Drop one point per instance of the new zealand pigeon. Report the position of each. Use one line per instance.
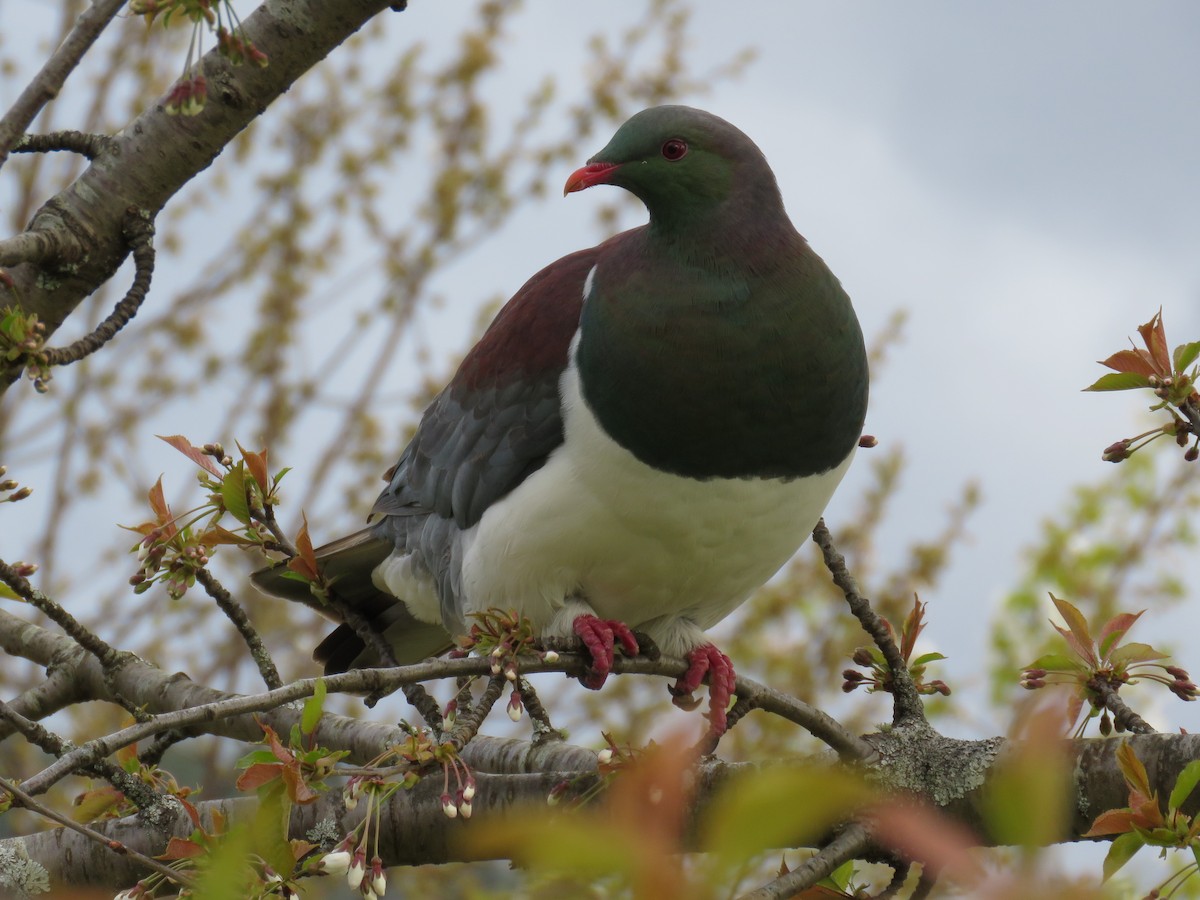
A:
(645, 434)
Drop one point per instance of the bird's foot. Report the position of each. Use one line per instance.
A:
(707, 663)
(600, 638)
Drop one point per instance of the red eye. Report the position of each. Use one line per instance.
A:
(674, 149)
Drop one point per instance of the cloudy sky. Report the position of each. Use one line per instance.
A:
(1020, 178)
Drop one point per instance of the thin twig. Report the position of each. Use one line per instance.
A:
(49, 81)
(139, 232)
(20, 798)
(234, 612)
(390, 679)
(86, 145)
(139, 793)
(105, 654)
(900, 871)
(543, 729)
(925, 885)
(847, 845)
(416, 695)
(908, 707)
(467, 725)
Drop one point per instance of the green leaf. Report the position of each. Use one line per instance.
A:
(1185, 784)
(1026, 798)
(1055, 662)
(1185, 355)
(781, 806)
(925, 659)
(1119, 381)
(313, 708)
(233, 494)
(1120, 852)
(840, 877)
(1135, 652)
(256, 756)
(9, 594)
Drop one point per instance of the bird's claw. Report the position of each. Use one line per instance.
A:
(707, 663)
(600, 638)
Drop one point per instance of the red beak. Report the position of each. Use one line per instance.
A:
(596, 173)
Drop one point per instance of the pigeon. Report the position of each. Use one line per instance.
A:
(646, 433)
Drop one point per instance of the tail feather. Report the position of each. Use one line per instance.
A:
(347, 565)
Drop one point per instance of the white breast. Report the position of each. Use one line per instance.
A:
(666, 554)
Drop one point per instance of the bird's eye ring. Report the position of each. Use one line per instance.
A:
(674, 149)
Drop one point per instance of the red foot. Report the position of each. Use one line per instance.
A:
(707, 663)
(600, 636)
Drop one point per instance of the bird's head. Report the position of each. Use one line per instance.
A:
(683, 163)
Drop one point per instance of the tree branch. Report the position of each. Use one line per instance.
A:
(415, 831)
(847, 845)
(47, 83)
(155, 155)
(908, 706)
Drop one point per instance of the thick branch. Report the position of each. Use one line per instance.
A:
(415, 831)
(154, 156)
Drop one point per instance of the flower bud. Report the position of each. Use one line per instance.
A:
(378, 879)
(358, 868)
(335, 863)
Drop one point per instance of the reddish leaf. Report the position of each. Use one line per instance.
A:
(1114, 629)
(1082, 643)
(257, 464)
(1156, 342)
(1133, 361)
(195, 454)
(158, 503)
(297, 788)
(194, 814)
(1146, 814)
(257, 775)
(282, 753)
(305, 562)
(127, 756)
(1083, 651)
(301, 849)
(1133, 771)
(914, 624)
(181, 848)
(1115, 821)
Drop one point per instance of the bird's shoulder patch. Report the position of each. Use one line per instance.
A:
(530, 337)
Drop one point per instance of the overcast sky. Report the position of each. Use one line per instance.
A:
(1021, 178)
